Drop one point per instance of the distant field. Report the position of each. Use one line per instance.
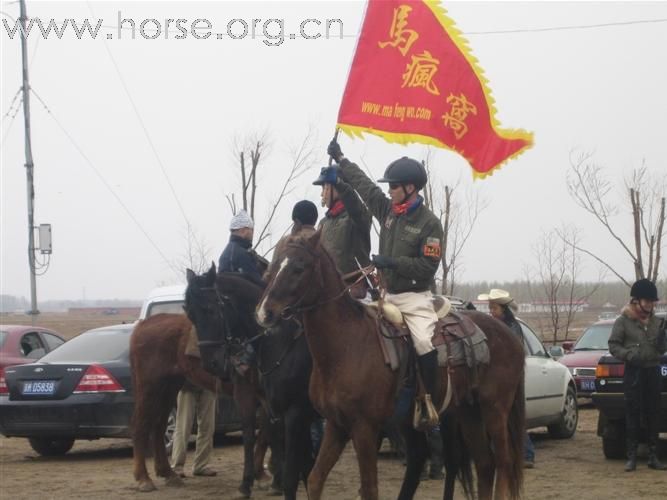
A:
(70, 325)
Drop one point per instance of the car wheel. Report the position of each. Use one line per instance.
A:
(567, 423)
(50, 447)
(169, 431)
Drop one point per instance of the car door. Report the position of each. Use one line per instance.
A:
(536, 373)
(533, 386)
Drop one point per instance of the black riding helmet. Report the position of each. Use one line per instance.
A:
(405, 171)
(644, 289)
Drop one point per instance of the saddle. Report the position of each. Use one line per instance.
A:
(457, 339)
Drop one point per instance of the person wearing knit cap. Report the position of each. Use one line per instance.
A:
(238, 256)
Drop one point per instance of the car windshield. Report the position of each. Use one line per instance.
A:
(97, 346)
(595, 338)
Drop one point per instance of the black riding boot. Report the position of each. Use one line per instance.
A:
(653, 461)
(428, 368)
(631, 464)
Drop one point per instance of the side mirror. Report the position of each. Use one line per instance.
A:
(568, 345)
(556, 352)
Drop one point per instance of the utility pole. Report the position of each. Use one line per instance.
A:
(29, 166)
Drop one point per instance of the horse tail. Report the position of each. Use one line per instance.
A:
(517, 435)
(458, 463)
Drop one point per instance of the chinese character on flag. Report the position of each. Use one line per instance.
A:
(413, 79)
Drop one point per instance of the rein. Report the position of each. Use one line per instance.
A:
(282, 357)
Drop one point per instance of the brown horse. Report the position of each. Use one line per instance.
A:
(355, 390)
(159, 369)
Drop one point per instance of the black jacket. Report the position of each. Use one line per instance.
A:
(237, 258)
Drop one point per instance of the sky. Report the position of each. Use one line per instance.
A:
(132, 137)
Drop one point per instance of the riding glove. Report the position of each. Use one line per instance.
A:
(384, 262)
(334, 150)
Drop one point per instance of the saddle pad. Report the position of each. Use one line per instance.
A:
(461, 344)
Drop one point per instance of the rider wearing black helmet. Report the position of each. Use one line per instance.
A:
(410, 251)
(346, 226)
(638, 338)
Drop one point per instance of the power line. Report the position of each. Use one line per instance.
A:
(104, 181)
(563, 28)
(144, 128)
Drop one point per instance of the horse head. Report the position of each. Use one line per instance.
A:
(205, 308)
(295, 282)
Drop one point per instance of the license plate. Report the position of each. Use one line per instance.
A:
(588, 385)
(39, 388)
(663, 370)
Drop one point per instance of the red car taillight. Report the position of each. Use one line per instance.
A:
(4, 390)
(98, 379)
(607, 371)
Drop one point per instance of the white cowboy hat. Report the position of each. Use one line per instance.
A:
(498, 296)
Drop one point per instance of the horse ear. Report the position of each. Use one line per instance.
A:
(314, 240)
(210, 275)
(190, 275)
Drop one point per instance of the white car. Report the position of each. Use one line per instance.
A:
(551, 394)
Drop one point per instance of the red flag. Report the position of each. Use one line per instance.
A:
(413, 79)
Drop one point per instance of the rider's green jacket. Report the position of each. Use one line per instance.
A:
(346, 235)
(413, 239)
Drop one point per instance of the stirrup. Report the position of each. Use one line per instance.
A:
(425, 416)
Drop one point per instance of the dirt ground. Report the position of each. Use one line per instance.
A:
(573, 468)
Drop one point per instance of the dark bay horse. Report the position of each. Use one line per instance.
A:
(353, 388)
(222, 307)
(160, 366)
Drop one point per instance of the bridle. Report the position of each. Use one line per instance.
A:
(223, 301)
(291, 310)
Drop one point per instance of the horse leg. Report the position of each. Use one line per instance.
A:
(261, 447)
(478, 444)
(496, 426)
(333, 443)
(365, 438)
(297, 447)
(246, 401)
(161, 461)
(141, 438)
(416, 449)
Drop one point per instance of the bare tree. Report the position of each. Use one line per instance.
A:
(252, 158)
(557, 270)
(458, 209)
(196, 254)
(592, 191)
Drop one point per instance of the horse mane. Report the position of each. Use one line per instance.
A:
(302, 239)
(236, 285)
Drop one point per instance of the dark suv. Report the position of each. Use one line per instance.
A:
(608, 398)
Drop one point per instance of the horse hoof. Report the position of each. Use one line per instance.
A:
(262, 484)
(174, 481)
(245, 491)
(146, 486)
(274, 492)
